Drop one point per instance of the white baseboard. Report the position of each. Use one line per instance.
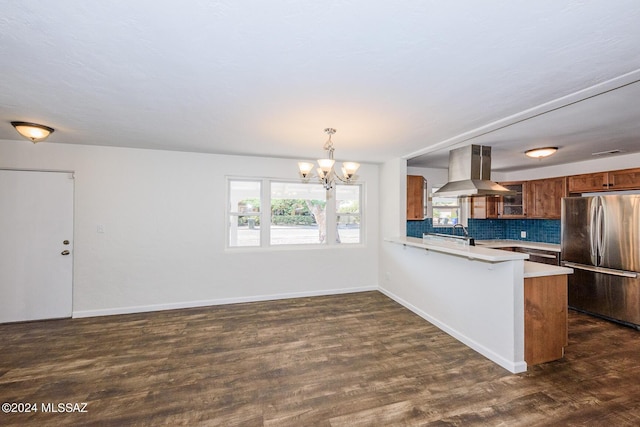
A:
(222, 301)
(514, 367)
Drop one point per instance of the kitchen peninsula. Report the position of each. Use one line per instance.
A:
(488, 299)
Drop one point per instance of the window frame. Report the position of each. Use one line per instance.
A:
(336, 214)
(229, 212)
(265, 217)
(269, 242)
(457, 206)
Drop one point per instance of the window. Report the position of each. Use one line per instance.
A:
(244, 213)
(348, 214)
(265, 212)
(446, 210)
(298, 213)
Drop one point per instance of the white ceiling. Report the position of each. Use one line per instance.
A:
(395, 78)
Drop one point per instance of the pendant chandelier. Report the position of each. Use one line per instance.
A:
(326, 172)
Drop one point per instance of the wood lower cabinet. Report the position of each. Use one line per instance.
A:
(545, 318)
(624, 179)
(416, 197)
(544, 197)
(542, 256)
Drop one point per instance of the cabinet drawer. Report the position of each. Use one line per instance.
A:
(544, 257)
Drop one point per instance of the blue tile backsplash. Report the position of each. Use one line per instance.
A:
(538, 230)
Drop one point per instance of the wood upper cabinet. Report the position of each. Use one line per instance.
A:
(624, 179)
(514, 206)
(544, 197)
(484, 207)
(588, 182)
(416, 197)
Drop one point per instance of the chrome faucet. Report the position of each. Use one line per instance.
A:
(470, 240)
(464, 229)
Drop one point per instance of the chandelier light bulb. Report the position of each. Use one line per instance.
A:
(350, 168)
(326, 164)
(305, 168)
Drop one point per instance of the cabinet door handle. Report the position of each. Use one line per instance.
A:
(65, 252)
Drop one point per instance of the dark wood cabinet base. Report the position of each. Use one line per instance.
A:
(545, 318)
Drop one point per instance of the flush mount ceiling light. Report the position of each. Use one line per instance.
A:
(539, 153)
(33, 131)
(326, 171)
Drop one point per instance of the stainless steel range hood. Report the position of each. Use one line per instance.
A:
(470, 174)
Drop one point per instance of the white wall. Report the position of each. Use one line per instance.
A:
(479, 303)
(393, 197)
(164, 220)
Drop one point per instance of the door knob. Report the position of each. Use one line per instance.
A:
(65, 252)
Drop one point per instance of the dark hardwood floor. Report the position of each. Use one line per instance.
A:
(344, 360)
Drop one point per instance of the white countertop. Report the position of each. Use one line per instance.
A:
(496, 244)
(537, 269)
(458, 249)
(531, 269)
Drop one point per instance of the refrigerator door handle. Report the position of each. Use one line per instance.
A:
(601, 233)
(621, 273)
(593, 249)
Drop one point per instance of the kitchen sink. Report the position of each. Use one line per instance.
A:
(460, 240)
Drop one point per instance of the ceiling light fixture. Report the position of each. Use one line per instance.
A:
(33, 131)
(539, 153)
(326, 171)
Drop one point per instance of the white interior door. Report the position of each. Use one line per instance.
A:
(36, 245)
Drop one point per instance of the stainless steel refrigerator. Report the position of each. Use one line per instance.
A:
(601, 242)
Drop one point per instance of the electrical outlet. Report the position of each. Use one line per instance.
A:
(523, 234)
